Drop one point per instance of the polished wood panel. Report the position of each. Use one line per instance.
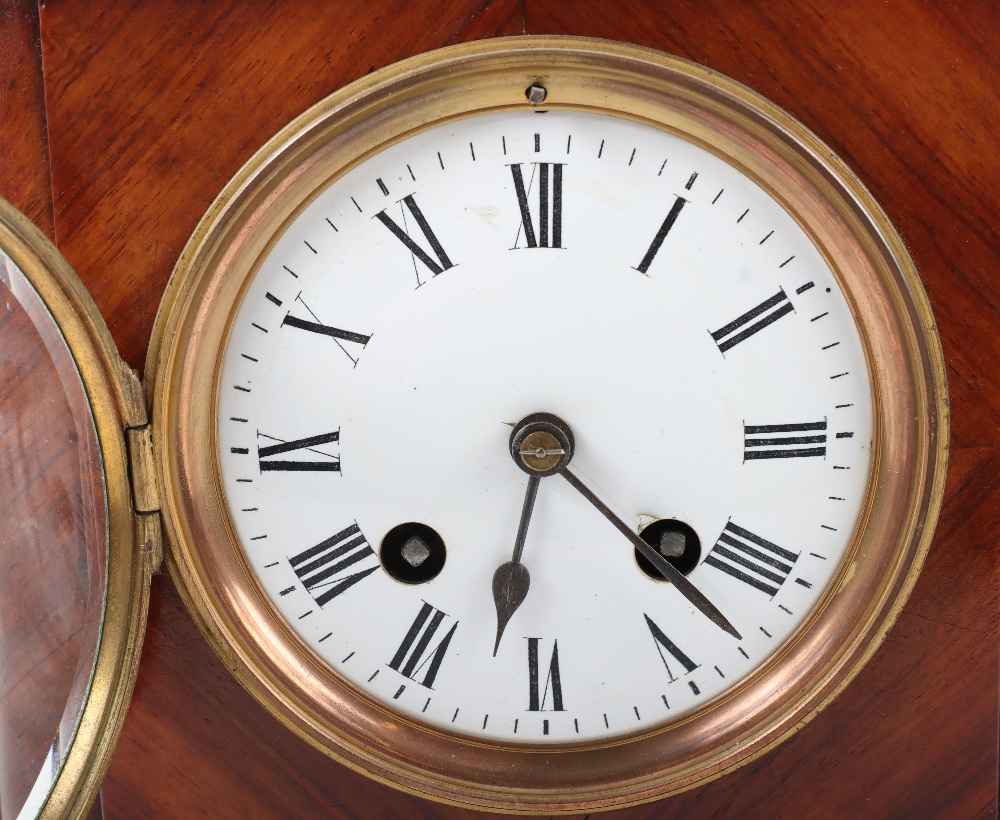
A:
(151, 106)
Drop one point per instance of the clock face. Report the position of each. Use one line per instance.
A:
(653, 297)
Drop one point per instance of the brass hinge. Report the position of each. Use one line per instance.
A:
(142, 477)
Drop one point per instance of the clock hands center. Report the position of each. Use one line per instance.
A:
(542, 444)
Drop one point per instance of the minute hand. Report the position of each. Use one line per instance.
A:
(665, 568)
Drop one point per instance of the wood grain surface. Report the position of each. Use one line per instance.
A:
(118, 132)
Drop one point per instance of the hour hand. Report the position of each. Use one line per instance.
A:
(511, 580)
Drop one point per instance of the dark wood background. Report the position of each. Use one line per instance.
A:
(121, 121)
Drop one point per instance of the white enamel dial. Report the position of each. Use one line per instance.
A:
(648, 293)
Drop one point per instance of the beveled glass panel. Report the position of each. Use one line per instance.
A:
(53, 546)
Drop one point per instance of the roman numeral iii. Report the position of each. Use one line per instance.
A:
(270, 464)
(784, 440)
(550, 199)
(751, 559)
(538, 696)
(753, 321)
(664, 644)
(415, 655)
(440, 262)
(321, 569)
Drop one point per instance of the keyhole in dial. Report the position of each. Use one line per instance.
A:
(412, 553)
(675, 541)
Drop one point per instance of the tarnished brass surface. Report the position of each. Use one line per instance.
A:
(827, 200)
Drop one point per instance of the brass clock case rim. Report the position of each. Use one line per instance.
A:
(895, 321)
(116, 403)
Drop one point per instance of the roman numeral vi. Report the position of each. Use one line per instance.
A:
(538, 697)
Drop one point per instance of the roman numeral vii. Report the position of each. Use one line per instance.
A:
(415, 655)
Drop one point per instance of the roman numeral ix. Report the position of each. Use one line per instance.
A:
(537, 696)
(440, 261)
(415, 655)
(321, 568)
(751, 559)
(269, 464)
(784, 440)
(663, 643)
(547, 215)
(753, 321)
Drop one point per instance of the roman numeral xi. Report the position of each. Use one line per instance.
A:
(437, 263)
(784, 440)
(751, 559)
(550, 199)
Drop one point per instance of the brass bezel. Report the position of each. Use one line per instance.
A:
(874, 269)
(116, 403)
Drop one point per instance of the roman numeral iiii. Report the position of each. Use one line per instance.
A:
(751, 559)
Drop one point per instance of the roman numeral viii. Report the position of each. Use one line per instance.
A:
(321, 568)
(753, 321)
(537, 696)
(270, 464)
(440, 261)
(751, 559)
(550, 200)
(415, 654)
(784, 440)
(664, 644)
